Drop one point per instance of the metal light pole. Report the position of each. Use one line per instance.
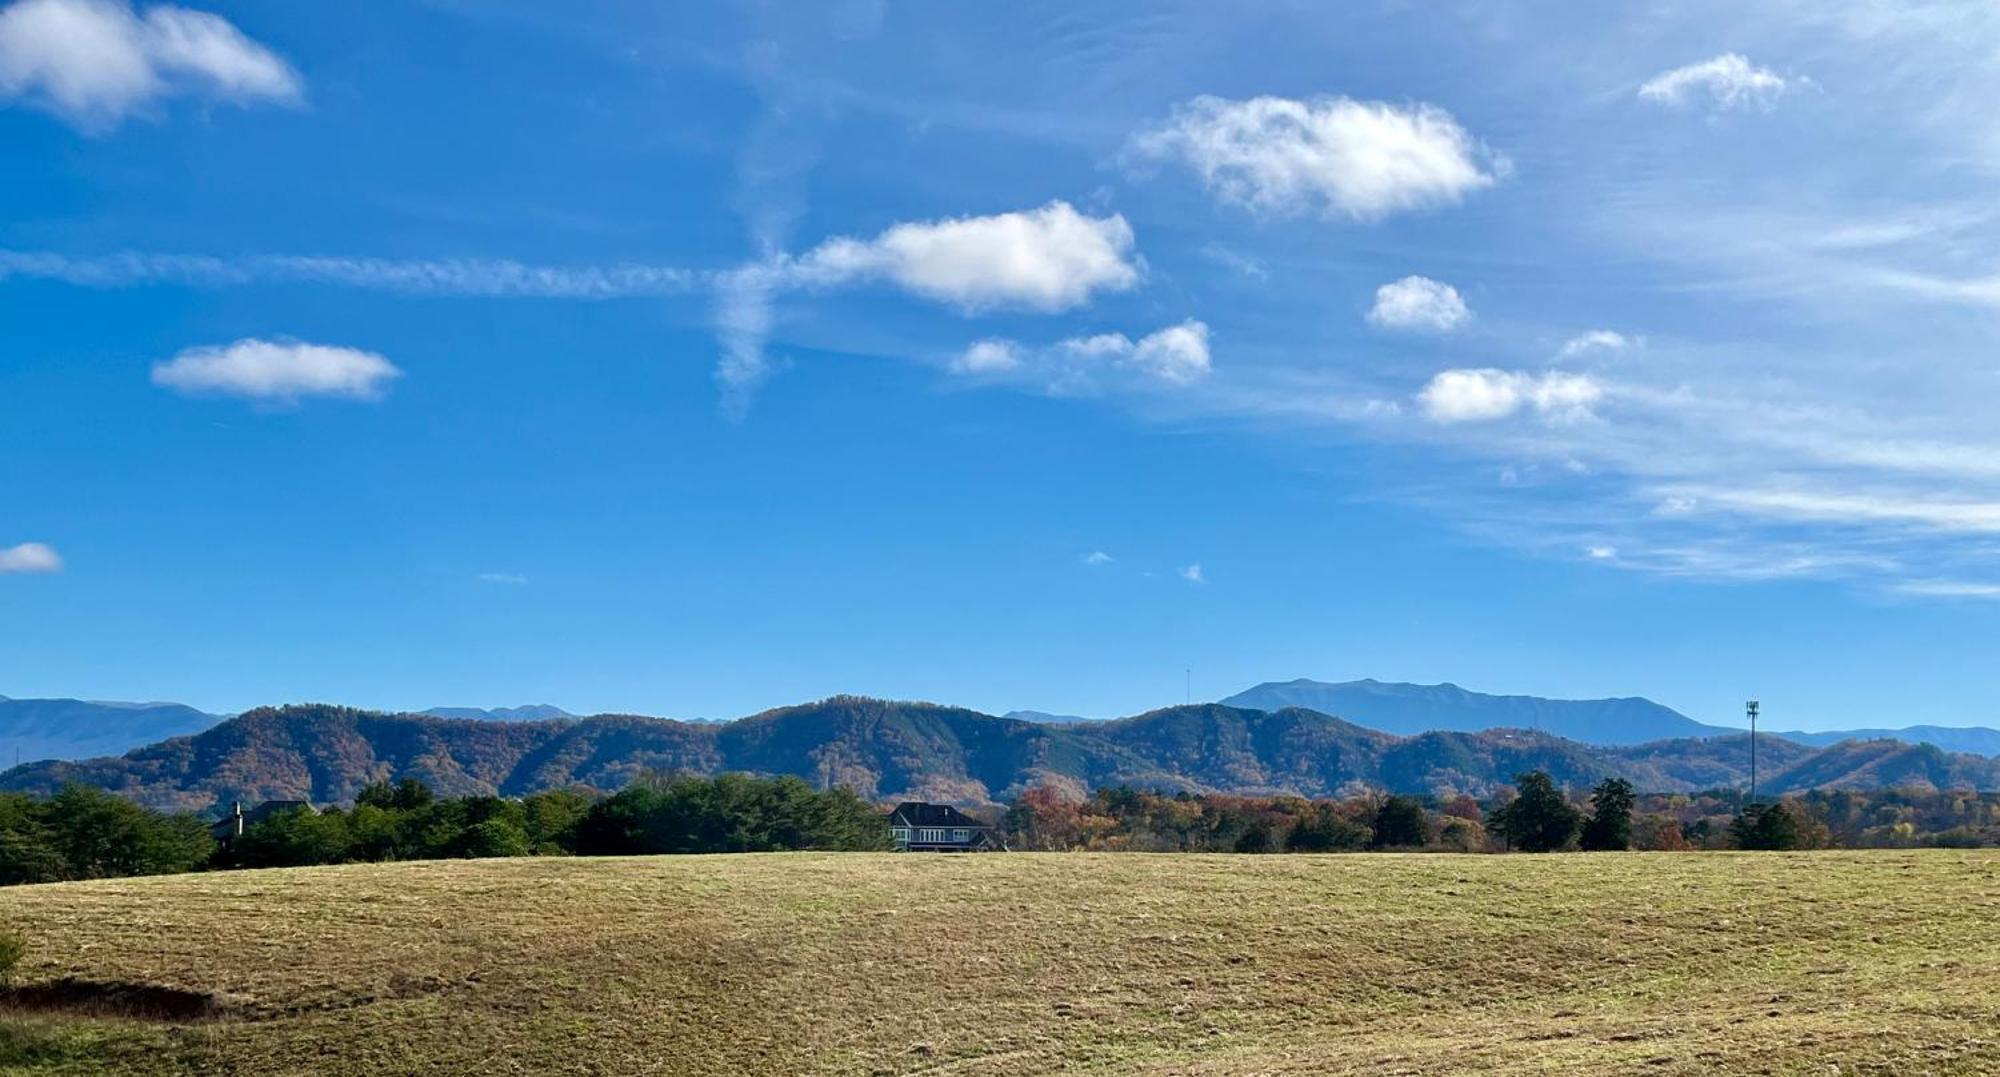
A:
(1751, 708)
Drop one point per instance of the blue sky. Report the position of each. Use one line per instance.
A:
(637, 357)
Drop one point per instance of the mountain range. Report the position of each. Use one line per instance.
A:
(1409, 709)
(922, 751)
(70, 729)
(533, 712)
(80, 729)
(1974, 739)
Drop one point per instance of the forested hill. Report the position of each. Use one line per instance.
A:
(887, 750)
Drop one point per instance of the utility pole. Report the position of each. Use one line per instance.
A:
(1189, 697)
(1751, 709)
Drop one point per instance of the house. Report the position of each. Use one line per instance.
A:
(230, 827)
(938, 828)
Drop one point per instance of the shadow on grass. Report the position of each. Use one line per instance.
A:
(132, 1001)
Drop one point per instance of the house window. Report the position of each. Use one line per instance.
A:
(959, 835)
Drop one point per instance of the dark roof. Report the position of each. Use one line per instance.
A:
(918, 813)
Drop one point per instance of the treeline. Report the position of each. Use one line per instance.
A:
(730, 813)
(85, 833)
(1535, 816)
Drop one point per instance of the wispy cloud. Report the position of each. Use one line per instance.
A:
(1949, 589)
(1236, 262)
(1596, 342)
(1096, 558)
(96, 62)
(1726, 81)
(511, 579)
(1193, 574)
(449, 276)
(29, 558)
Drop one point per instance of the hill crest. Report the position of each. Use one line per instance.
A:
(887, 750)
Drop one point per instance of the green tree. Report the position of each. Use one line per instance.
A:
(1400, 824)
(27, 846)
(296, 837)
(407, 795)
(494, 837)
(99, 835)
(728, 813)
(552, 819)
(1258, 837)
(1765, 826)
(1609, 828)
(1321, 828)
(1538, 820)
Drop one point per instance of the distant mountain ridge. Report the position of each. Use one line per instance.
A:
(1977, 740)
(923, 751)
(34, 729)
(1409, 709)
(533, 712)
(1045, 717)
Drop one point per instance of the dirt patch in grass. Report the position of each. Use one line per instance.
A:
(132, 1001)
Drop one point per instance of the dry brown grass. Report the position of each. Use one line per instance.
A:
(1821, 963)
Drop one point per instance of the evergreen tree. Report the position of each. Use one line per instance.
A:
(1539, 820)
(1400, 824)
(1765, 826)
(1609, 828)
(1258, 837)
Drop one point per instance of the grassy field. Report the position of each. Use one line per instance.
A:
(1817, 963)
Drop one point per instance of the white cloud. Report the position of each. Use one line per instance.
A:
(29, 557)
(1729, 80)
(1193, 574)
(1336, 156)
(1096, 558)
(282, 371)
(1419, 303)
(1046, 259)
(94, 62)
(1601, 553)
(1456, 396)
(1594, 342)
(1175, 356)
(512, 579)
(990, 356)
